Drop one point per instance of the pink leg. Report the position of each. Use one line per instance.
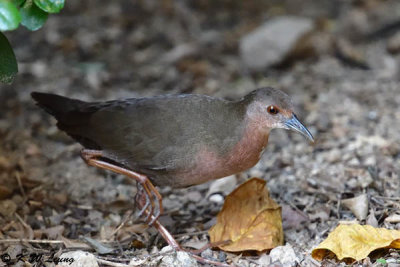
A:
(146, 188)
(146, 191)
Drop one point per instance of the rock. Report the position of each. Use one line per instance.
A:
(394, 218)
(216, 198)
(271, 43)
(285, 255)
(264, 260)
(178, 259)
(78, 259)
(194, 196)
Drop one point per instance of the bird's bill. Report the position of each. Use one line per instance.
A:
(294, 124)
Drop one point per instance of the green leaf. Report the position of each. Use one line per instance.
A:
(9, 16)
(33, 17)
(381, 261)
(8, 62)
(18, 3)
(50, 6)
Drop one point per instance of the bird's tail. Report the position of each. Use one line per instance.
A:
(68, 112)
(56, 105)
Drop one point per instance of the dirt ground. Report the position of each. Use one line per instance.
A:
(349, 98)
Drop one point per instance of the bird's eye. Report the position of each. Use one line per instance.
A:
(273, 110)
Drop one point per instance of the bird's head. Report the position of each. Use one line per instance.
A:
(271, 108)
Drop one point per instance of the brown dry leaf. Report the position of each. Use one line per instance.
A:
(249, 218)
(356, 242)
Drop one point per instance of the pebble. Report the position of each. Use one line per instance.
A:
(178, 259)
(271, 42)
(216, 198)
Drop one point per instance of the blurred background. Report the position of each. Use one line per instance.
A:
(338, 59)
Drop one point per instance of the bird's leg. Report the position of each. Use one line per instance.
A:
(146, 190)
(93, 158)
(140, 195)
(143, 201)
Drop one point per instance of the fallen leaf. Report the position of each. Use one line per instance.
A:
(98, 246)
(70, 243)
(292, 218)
(356, 242)
(358, 206)
(250, 219)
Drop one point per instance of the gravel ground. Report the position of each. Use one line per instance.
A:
(124, 49)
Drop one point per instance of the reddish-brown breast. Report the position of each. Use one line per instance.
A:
(244, 155)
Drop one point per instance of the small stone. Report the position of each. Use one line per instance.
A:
(354, 162)
(271, 43)
(285, 255)
(207, 254)
(194, 196)
(394, 218)
(264, 260)
(217, 198)
(178, 259)
(334, 155)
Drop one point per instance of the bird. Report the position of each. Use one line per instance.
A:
(173, 140)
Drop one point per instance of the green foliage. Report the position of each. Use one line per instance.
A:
(33, 17)
(30, 13)
(50, 6)
(9, 16)
(8, 63)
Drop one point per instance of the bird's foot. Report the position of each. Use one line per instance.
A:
(149, 208)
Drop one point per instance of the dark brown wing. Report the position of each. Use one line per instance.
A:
(151, 135)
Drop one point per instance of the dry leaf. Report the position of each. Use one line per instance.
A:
(358, 205)
(356, 242)
(250, 219)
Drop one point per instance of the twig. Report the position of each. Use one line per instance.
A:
(34, 241)
(18, 177)
(124, 221)
(110, 263)
(22, 221)
(389, 198)
(205, 261)
(190, 234)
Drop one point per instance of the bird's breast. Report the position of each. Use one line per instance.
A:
(210, 165)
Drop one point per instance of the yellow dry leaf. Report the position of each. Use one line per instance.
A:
(356, 242)
(250, 219)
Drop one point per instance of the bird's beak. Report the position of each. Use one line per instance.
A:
(294, 124)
